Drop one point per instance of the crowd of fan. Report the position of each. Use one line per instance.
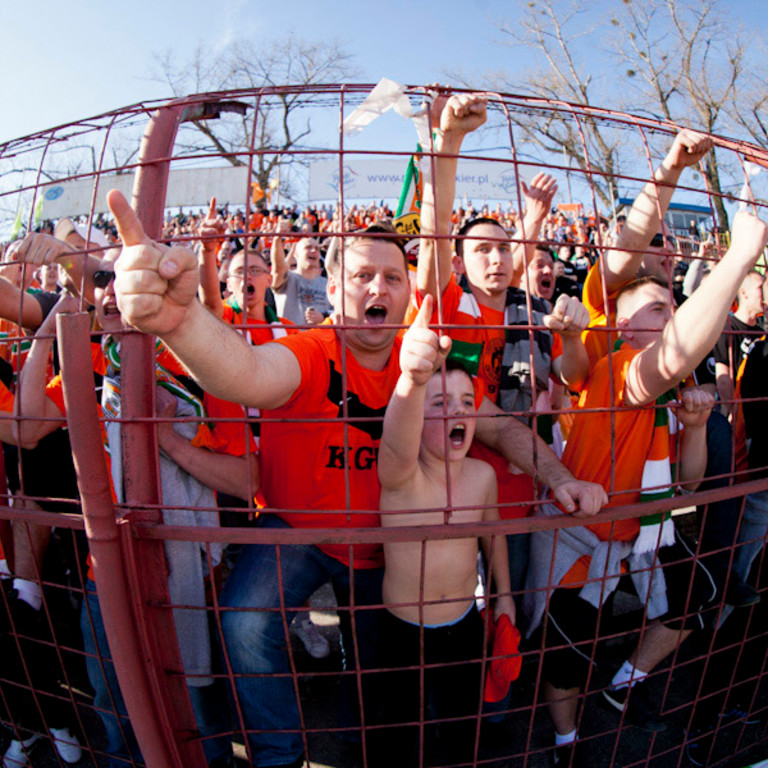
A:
(520, 345)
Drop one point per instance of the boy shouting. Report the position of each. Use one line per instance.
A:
(427, 479)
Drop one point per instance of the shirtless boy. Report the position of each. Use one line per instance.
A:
(425, 417)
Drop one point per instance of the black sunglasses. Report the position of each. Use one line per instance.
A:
(660, 242)
(103, 277)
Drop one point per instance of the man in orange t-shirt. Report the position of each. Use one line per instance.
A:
(487, 313)
(658, 351)
(336, 379)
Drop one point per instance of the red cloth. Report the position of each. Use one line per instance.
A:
(504, 638)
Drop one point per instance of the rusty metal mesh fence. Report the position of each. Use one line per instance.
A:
(164, 639)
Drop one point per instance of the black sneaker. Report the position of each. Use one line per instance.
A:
(567, 755)
(637, 706)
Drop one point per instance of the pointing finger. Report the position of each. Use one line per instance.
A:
(425, 312)
(212, 209)
(128, 225)
(443, 350)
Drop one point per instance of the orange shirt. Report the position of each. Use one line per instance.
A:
(6, 399)
(305, 461)
(473, 336)
(599, 341)
(588, 454)
(260, 330)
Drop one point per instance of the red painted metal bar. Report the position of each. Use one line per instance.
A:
(102, 530)
(139, 538)
(146, 570)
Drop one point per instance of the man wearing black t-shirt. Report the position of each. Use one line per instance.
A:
(740, 333)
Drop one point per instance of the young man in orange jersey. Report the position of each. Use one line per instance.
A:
(488, 312)
(331, 385)
(622, 441)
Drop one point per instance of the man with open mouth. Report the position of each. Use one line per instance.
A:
(330, 385)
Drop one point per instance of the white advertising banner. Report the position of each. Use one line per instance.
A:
(368, 178)
(187, 187)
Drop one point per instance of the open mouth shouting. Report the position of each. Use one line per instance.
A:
(376, 314)
(457, 435)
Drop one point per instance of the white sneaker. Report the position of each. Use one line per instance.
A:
(15, 756)
(67, 745)
(316, 644)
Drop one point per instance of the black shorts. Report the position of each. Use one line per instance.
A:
(571, 634)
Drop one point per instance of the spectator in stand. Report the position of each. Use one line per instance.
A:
(301, 295)
(300, 378)
(433, 604)
(540, 280)
(188, 472)
(657, 352)
(754, 391)
(742, 330)
(247, 289)
(565, 280)
(30, 659)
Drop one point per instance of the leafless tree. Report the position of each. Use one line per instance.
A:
(278, 121)
(682, 61)
(548, 30)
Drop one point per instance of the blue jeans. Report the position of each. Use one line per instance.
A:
(208, 703)
(752, 533)
(256, 640)
(108, 700)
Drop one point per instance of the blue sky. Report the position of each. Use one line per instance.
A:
(64, 61)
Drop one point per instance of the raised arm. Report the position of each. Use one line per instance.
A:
(210, 291)
(37, 249)
(462, 114)
(527, 451)
(236, 475)
(538, 203)
(693, 413)
(569, 318)
(156, 290)
(277, 256)
(644, 218)
(11, 299)
(699, 266)
(36, 414)
(421, 354)
(696, 326)
(495, 551)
